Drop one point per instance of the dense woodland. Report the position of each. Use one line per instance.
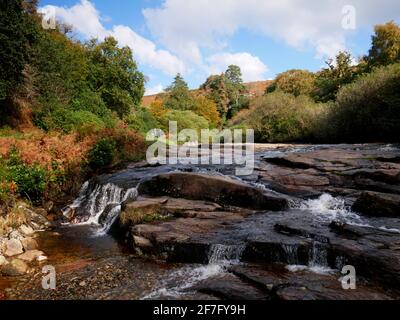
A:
(70, 109)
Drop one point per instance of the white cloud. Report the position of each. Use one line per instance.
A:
(83, 17)
(154, 90)
(252, 67)
(87, 21)
(145, 51)
(185, 27)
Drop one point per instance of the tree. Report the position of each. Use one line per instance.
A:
(227, 91)
(207, 109)
(178, 95)
(114, 74)
(17, 35)
(296, 82)
(215, 89)
(385, 45)
(235, 89)
(234, 75)
(331, 79)
(157, 109)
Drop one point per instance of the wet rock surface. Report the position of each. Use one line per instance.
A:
(282, 233)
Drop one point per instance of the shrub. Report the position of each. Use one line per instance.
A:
(30, 180)
(68, 120)
(102, 154)
(367, 110)
(281, 117)
(185, 120)
(142, 120)
(130, 145)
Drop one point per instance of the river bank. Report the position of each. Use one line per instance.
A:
(185, 232)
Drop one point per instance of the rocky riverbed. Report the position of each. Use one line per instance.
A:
(200, 232)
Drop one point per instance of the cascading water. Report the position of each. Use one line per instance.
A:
(327, 208)
(100, 204)
(219, 258)
(220, 253)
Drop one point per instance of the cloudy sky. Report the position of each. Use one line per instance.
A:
(201, 37)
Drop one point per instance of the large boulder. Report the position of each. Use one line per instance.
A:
(378, 204)
(222, 190)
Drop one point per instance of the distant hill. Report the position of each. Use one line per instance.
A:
(254, 89)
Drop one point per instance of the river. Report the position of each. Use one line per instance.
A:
(294, 253)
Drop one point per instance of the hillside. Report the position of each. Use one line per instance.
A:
(254, 89)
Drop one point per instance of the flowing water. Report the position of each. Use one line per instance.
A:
(99, 203)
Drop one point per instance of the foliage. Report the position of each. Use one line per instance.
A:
(178, 95)
(185, 119)
(385, 45)
(113, 73)
(157, 109)
(227, 91)
(207, 109)
(18, 34)
(102, 154)
(331, 79)
(30, 180)
(367, 110)
(215, 89)
(281, 117)
(297, 82)
(142, 120)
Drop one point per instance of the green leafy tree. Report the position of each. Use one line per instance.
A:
(331, 79)
(17, 35)
(178, 95)
(235, 89)
(227, 91)
(114, 74)
(296, 82)
(215, 89)
(385, 45)
(233, 75)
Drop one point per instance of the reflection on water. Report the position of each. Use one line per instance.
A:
(72, 247)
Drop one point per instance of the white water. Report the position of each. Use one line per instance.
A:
(328, 208)
(314, 269)
(96, 201)
(180, 281)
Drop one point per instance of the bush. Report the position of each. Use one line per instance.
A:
(367, 110)
(281, 117)
(102, 154)
(30, 180)
(142, 120)
(68, 120)
(185, 120)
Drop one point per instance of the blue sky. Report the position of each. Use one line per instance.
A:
(202, 37)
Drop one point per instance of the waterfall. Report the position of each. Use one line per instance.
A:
(219, 258)
(318, 256)
(99, 204)
(220, 253)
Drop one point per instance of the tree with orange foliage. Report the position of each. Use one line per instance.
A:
(207, 108)
(157, 109)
